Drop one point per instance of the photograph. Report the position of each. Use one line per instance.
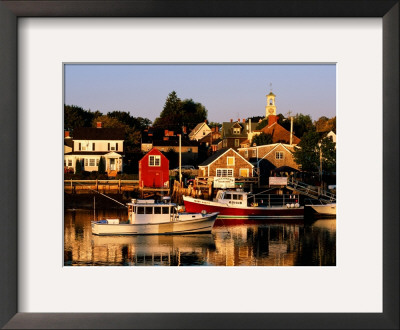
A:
(199, 164)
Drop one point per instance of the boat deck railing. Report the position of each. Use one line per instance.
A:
(311, 191)
(273, 199)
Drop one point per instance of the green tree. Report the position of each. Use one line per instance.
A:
(78, 167)
(169, 116)
(307, 155)
(312, 152)
(328, 151)
(262, 139)
(102, 165)
(75, 116)
(177, 113)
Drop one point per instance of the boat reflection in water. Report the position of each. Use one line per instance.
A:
(159, 250)
(231, 243)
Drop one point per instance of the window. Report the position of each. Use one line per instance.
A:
(86, 162)
(154, 160)
(165, 210)
(93, 146)
(244, 172)
(92, 162)
(97, 162)
(228, 196)
(140, 210)
(148, 210)
(116, 146)
(69, 162)
(246, 154)
(279, 155)
(236, 142)
(224, 172)
(225, 143)
(79, 146)
(237, 197)
(157, 210)
(108, 148)
(236, 130)
(254, 153)
(230, 161)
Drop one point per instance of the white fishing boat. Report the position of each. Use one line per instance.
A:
(147, 217)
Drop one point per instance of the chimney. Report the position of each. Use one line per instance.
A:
(239, 120)
(98, 124)
(272, 119)
(249, 125)
(166, 132)
(184, 129)
(231, 120)
(66, 134)
(244, 120)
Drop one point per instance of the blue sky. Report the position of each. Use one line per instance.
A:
(226, 90)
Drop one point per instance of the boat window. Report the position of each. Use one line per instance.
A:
(157, 209)
(140, 210)
(149, 210)
(228, 196)
(165, 210)
(238, 197)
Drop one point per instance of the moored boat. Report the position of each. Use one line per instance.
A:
(148, 217)
(242, 205)
(323, 210)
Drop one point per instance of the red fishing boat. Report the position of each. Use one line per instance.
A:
(237, 204)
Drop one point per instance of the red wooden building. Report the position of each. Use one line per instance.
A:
(154, 170)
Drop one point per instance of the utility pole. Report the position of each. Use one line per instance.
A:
(291, 127)
(180, 160)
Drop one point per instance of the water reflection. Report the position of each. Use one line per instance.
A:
(231, 243)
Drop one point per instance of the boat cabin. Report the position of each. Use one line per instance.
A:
(142, 211)
(233, 198)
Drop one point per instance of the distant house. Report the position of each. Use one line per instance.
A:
(234, 133)
(154, 170)
(226, 163)
(332, 135)
(211, 140)
(89, 144)
(279, 133)
(201, 130)
(266, 158)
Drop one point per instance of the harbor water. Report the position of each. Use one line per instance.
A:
(308, 242)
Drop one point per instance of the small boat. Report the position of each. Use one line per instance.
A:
(328, 210)
(148, 217)
(237, 204)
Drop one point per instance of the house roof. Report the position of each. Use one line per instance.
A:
(227, 129)
(93, 133)
(93, 153)
(197, 128)
(279, 134)
(219, 154)
(69, 142)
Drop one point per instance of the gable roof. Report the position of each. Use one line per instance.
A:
(94, 133)
(227, 129)
(151, 152)
(279, 134)
(198, 128)
(219, 154)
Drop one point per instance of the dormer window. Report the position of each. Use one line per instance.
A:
(236, 130)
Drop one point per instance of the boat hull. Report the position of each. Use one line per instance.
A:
(322, 210)
(200, 225)
(228, 212)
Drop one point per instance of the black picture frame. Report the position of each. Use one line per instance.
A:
(10, 11)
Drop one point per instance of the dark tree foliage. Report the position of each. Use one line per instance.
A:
(78, 167)
(262, 139)
(312, 150)
(177, 113)
(102, 165)
(75, 116)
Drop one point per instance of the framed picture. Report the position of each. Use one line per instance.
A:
(13, 206)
